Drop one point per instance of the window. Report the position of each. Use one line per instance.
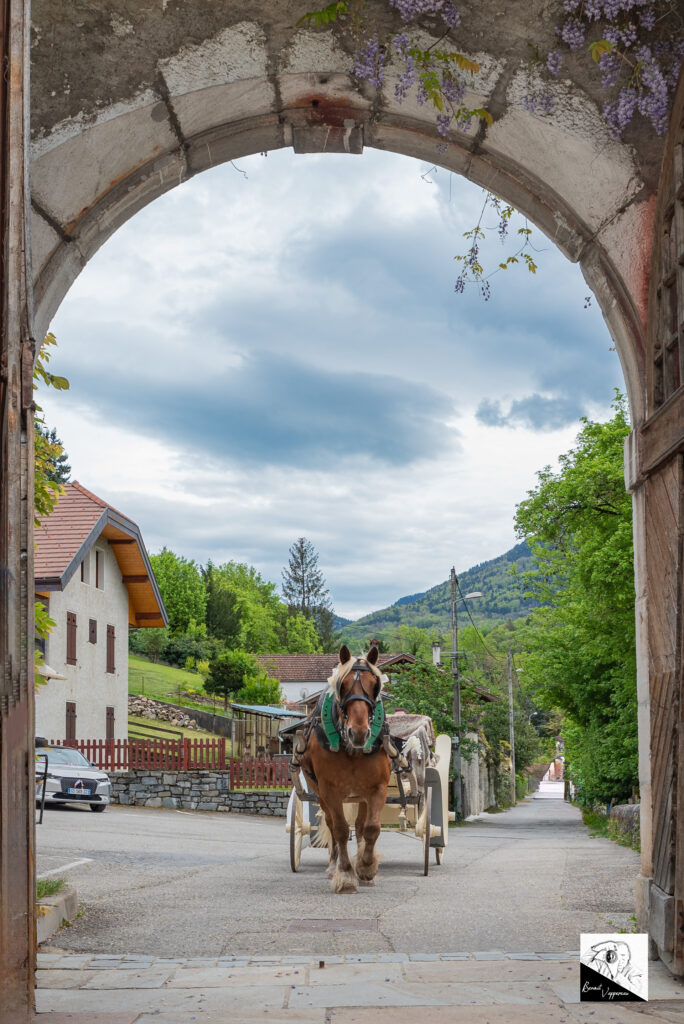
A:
(85, 569)
(109, 726)
(71, 639)
(92, 631)
(111, 663)
(99, 570)
(70, 729)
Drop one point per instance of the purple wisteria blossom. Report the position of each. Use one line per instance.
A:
(405, 81)
(572, 33)
(369, 61)
(619, 114)
(540, 101)
(609, 63)
(554, 62)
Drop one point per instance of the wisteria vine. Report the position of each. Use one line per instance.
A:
(637, 46)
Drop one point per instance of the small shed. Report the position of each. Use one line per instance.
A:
(256, 728)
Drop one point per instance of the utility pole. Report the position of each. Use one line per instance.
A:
(510, 725)
(456, 684)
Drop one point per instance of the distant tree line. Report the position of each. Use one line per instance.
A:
(222, 616)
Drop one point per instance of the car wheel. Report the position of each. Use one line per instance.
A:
(97, 807)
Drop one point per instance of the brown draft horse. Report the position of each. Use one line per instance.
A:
(348, 773)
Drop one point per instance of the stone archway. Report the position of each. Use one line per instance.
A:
(128, 101)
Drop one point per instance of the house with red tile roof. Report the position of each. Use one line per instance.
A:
(93, 575)
(302, 675)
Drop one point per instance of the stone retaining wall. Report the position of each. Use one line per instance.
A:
(626, 819)
(194, 791)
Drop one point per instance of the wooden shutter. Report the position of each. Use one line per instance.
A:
(111, 662)
(71, 639)
(92, 631)
(109, 734)
(70, 722)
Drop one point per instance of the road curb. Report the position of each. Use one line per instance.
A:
(55, 911)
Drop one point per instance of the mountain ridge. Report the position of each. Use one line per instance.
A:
(431, 609)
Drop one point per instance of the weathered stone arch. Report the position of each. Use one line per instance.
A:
(249, 80)
(129, 99)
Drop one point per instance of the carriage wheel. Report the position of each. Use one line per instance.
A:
(439, 853)
(296, 832)
(426, 834)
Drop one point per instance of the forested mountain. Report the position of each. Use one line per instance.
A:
(501, 599)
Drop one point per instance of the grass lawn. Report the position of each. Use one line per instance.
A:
(167, 731)
(162, 682)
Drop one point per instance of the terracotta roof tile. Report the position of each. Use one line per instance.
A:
(61, 534)
(308, 668)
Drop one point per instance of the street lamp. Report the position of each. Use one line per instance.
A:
(456, 685)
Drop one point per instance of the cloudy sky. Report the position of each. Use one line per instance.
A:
(276, 350)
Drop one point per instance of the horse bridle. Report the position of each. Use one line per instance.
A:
(359, 666)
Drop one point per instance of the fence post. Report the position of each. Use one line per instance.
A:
(186, 753)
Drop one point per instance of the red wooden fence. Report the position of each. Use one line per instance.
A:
(182, 754)
(259, 772)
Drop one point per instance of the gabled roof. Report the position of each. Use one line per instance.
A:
(314, 668)
(66, 536)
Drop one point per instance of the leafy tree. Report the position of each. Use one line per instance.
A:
(300, 635)
(303, 583)
(580, 650)
(261, 690)
(424, 689)
(256, 611)
(182, 590)
(230, 672)
(223, 614)
(324, 622)
(48, 452)
(150, 642)
(51, 449)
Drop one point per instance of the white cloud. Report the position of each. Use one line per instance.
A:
(343, 266)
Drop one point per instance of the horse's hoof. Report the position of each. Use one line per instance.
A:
(343, 882)
(368, 882)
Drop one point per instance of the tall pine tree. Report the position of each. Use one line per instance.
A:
(305, 591)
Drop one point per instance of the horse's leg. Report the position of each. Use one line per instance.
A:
(367, 859)
(358, 827)
(332, 845)
(344, 879)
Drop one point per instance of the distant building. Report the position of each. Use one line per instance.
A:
(303, 675)
(94, 577)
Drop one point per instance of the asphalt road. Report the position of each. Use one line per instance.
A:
(174, 883)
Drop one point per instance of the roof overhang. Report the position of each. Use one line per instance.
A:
(145, 606)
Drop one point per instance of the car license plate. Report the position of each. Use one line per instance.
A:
(77, 790)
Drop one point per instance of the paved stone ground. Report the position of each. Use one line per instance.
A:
(172, 884)
(484, 988)
(511, 898)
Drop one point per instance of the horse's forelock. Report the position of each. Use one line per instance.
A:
(341, 672)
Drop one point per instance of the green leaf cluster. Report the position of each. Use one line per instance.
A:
(580, 648)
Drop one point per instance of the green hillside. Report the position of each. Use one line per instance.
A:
(501, 599)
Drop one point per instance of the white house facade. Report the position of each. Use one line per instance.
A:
(94, 577)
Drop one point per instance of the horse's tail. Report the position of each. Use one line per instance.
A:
(323, 836)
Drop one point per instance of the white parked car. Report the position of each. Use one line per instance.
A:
(71, 778)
